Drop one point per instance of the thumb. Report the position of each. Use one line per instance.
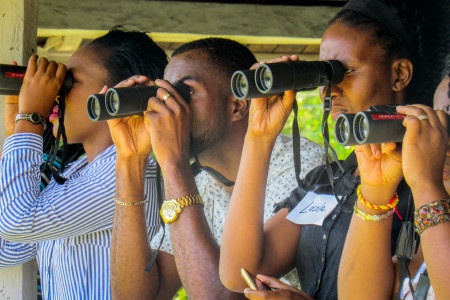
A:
(272, 282)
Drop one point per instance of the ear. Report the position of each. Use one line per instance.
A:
(239, 109)
(402, 70)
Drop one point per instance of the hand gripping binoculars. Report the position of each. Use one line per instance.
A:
(11, 79)
(126, 101)
(380, 124)
(275, 78)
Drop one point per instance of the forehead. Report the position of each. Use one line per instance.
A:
(86, 60)
(193, 64)
(347, 44)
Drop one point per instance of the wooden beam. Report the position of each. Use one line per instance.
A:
(18, 32)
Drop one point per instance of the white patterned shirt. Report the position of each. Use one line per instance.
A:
(280, 182)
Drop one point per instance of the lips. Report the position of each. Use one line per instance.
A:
(54, 114)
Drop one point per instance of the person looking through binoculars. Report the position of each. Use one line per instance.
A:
(379, 70)
(68, 226)
(421, 161)
(210, 129)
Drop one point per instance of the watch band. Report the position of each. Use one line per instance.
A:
(188, 200)
(170, 209)
(34, 118)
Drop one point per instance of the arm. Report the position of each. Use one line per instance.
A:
(428, 139)
(247, 241)
(29, 215)
(196, 252)
(130, 249)
(368, 243)
(12, 254)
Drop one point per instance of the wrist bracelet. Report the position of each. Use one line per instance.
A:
(375, 218)
(391, 204)
(130, 203)
(431, 214)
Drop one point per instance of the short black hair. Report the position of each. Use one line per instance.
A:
(128, 53)
(227, 54)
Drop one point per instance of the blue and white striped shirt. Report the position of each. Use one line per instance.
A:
(67, 227)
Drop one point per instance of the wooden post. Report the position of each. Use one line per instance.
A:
(18, 39)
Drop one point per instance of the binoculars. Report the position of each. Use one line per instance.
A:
(11, 79)
(126, 101)
(380, 124)
(275, 78)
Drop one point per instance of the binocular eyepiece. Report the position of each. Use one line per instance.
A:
(126, 101)
(11, 79)
(275, 78)
(380, 124)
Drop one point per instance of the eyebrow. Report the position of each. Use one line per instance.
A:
(187, 77)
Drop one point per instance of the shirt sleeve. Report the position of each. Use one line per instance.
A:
(12, 254)
(163, 243)
(83, 204)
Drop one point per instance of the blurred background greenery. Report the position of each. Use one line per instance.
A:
(310, 124)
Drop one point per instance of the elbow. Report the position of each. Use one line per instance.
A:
(231, 278)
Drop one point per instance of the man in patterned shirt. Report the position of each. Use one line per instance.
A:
(190, 247)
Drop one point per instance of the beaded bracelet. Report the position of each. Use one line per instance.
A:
(368, 217)
(431, 214)
(391, 204)
(130, 203)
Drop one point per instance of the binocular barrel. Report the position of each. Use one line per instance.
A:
(11, 79)
(375, 127)
(275, 78)
(371, 127)
(126, 101)
(243, 85)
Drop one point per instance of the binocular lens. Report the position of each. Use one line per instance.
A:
(265, 79)
(361, 127)
(243, 85)
(112, 102)
(344, 130)
(240, 85)
(93, 107)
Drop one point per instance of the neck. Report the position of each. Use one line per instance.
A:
(95, 145)
(225, 156)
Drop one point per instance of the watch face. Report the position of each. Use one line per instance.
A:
(35, 118)
(169, 211)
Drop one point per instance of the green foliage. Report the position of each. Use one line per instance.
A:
(180, 295)
(310, 114)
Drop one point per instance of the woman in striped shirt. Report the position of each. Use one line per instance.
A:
(68, 226)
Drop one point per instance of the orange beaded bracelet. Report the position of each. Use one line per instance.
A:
(391, 204)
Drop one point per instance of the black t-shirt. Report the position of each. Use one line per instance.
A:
(320, 247)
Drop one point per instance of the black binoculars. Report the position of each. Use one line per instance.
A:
(275, 78)
(380, 124)
(11, 79)
(126, 101)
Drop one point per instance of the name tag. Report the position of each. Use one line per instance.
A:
(313, 209)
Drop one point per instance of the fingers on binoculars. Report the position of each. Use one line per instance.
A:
(365, 150)
(32, 64)
(135, 79)
(61, 70)
(167, 87)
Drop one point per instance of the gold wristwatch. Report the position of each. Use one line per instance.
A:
(172, 208)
